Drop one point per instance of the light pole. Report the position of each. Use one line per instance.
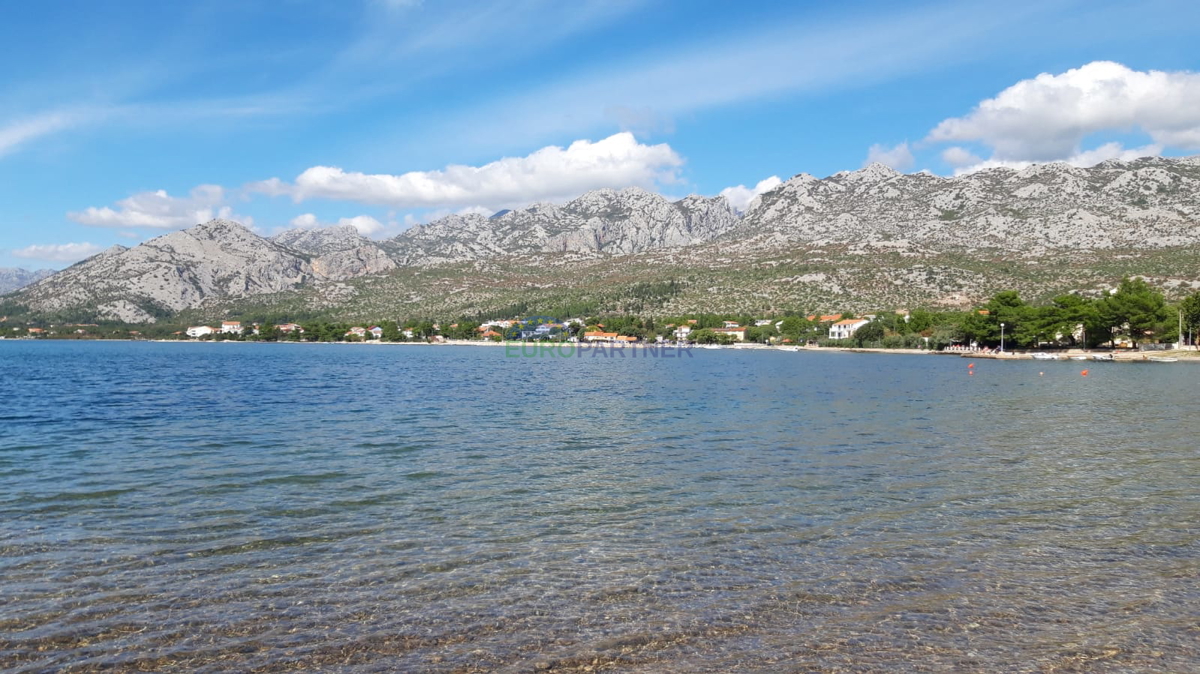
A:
(1001, 338)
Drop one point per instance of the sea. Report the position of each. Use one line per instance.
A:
(219, 507)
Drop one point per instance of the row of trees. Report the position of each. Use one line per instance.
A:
(1135, 310)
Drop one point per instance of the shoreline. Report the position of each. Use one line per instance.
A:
(1184, 355)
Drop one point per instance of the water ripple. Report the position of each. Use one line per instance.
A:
(275, 507)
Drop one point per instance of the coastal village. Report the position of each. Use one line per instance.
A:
(1131, 318)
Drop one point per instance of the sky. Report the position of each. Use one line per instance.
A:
(120, 122)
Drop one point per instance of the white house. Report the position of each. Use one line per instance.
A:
(290, 327)
(739, 334)
(762, 322)
(376, 332)
(357, 331)
(845, 328)
(682, 332)
(231, 327)
(200, 331)
(731, 324)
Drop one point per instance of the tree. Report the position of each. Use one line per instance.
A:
(1191, 311)
(1135, 307)
(920, 320)
(391, 332)
(871, 332)
(1007, 307)
(268, 332)
(424, 329)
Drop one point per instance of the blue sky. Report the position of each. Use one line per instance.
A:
(123, 121)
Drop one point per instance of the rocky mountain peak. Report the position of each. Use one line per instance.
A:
(871, 173)
(218, 227)
(322, 240)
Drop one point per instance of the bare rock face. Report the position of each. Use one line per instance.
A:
(602, 221)
(321, 241)
(352, 263)
(337, 253)
(1145, 203)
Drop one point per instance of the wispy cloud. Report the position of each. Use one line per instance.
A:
(787, 59)
(60, 252)
(18, 132)
(397, 45)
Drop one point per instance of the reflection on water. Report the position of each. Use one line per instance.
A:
(240, 507)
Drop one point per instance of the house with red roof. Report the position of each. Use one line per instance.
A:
(846, 328)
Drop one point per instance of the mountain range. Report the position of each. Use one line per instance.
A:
(13, 279)
(854, 238)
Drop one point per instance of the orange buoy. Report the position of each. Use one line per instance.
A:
(1084, 373)
(971, 372)
(971, 366)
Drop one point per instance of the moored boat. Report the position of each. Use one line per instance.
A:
(1102, 357)
(1162, 359)
(1043, 356)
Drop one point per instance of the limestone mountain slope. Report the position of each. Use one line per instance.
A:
(1146, 203)
(601, 221)
(872, 235)
(218, 259)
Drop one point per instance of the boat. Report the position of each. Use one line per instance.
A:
(1162, 359)
(1103, 357)
(1079, 357)
(1043, 356)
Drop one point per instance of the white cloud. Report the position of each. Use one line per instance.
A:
(159, 210)
(365, 224)
(1083, 159)
(62, 252)
(477, 210)
(899, 157)
(306, 221)
(551, 173)
(1048, 117)
(740, 196)
(959, 156)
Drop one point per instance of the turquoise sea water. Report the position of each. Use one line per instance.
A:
(238, 507)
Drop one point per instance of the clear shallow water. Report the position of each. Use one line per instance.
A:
(269, 507)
